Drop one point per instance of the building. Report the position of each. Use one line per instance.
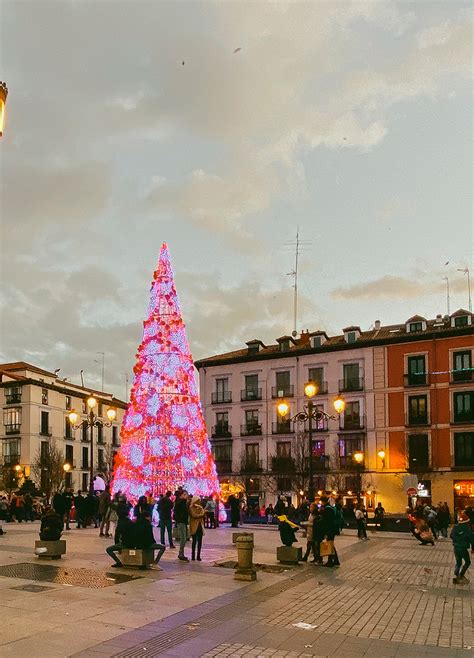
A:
(409, 414)
(36, 404)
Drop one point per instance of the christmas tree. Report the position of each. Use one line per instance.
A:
(164, 438)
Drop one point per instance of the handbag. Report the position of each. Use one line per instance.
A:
(326, 547)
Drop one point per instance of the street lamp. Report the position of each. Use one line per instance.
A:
(358, 457)
(3, 100)
(381, 454)
(91, 421)
(309, 414)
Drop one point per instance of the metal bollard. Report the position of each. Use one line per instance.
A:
(245, 569)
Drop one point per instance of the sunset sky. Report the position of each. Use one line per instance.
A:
(133, 123)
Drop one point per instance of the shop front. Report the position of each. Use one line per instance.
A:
(463, 494)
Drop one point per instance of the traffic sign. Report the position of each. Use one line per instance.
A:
(411, 491)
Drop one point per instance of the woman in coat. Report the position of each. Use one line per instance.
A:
(196, 527)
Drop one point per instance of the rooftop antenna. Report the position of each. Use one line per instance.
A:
(447, 292)
(126, 386)
(82, 378)
(103, 367)
(465, 270)
(298, 244)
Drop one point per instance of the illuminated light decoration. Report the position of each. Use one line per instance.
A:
(164, 439)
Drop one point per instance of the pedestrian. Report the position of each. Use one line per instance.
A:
(211, 512)
(80, 505)
(339, 517)
(104, 505)
(181, 518)
(69, 500)
(461, 536)
(20, 508)
(360, 518)
(444, 518)
(470, 513)
(59, 504)
(142, 506)
(196, 527)
(379, 513)
(165, 506)
(270, 512)
(329, 529)
(431, 519)
(234, 510)
(310, 535)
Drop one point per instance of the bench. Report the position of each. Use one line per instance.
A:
(289, 554)
(50, 549)
(136, 557)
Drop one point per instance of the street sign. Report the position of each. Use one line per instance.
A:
(411, 491)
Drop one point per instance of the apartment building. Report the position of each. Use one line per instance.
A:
(36, 404)
(379, 374)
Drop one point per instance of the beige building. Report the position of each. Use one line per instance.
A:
(35, 406)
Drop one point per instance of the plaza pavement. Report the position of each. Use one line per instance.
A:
(390, 597)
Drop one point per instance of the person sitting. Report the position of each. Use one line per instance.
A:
(144, 537)
(124, 538)
(287, 530)
(51, 526)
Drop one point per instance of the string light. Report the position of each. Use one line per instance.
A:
(164, 438)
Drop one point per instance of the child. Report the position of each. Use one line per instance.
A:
(461, 536)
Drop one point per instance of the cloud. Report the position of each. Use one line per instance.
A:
(397, 287)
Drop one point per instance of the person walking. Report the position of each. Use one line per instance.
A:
(211, 512)
(196, 526)
(165, 506)
(181, 518)
(461, 536)
(234, 504)
(360, 518)
(80, 505)
(431, 519)
(104, 504)
(379, 513)
(68, 501)
(59, 504)
(444, 518)
(329, 529)
(310, 536)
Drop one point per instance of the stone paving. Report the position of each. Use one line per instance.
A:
(390, 597)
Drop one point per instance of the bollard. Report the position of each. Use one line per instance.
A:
(245, 569)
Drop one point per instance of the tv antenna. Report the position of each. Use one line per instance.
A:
(447, 292)
(465, 270)
(297, 244)
(103, 367)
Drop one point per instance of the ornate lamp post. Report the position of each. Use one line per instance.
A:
(3, 100)
(358, 457)
(92, 421)
(381, 454)
(309, 414)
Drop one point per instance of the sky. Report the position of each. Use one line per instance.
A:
(223, 128)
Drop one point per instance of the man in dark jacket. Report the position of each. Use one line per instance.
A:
(59, 504)
(124, 538)
(234, 504)
(68, 499)
(51, 526)
(461, 536)
(144, 537)
(80, 505)
(329, 527)
(165, 505)
(181, 518)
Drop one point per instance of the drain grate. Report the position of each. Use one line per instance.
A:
(33, 588)
(269, 568)
(89, 578)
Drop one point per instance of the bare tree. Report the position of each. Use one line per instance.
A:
(106, 466)
(300, 455)
(8, 479)
(48, 469)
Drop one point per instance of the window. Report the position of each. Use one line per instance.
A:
(84, 433)
(352, 415)
(11, 451)
(85, 457)
(415, 326)
(44, 452)
(319, 448)
(316, 341)
(351, 337)
(251, 386)
(69, 455)
(222, 393)
(283, 449)
(351, 377)
(461, 321)
(13, 395)
(45, 423)
(68, 480)
(416, 370)
(418, 410)
(114, 435)
(84, 407)
(12, 420)
(85, 481)
(67, 428)
(68, 402)
(347, 447)
(251, 420)
(464, 449)
(44, 396)
(100, 433)
(462, 366)
(100, 409)
(351, 483)
(222, 424)
(100, 458)
(222, 452)
(317, 376)
(463, 404)
(283, 383)
(418, 451)
(252, 453)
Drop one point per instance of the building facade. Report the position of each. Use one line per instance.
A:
(35, 407)
(409, 413)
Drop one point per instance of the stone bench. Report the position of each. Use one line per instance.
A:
(54, 549)
(236, 535)
(289, 554)
(136, 557)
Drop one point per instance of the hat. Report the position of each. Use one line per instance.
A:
(462, 517)
(195, 499)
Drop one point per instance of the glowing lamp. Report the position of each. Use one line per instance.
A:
(111, 414)
(66, 467)
(349, 493)
(3, 100)
(334, 493)
(359, 456)
(381, 454)
(310, 389)
(91, 402)
(283, 408)
(18, 468)
(320, 493)
(457, 487)
(339, 404)
(73, 417)
(301, 493)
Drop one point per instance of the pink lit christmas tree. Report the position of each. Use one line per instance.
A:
(164, 438)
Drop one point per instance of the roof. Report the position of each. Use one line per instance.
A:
(460, 312)
(416, 318)
(352, 328)
(394, 333)
(22, 365)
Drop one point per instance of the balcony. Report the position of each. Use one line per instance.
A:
(10, 460)
(351, 384)
(319, 425)
(223, 466)
(351, 423)
(250, 394)
(222, 431)
(221, 397)
(283, 391)
(283, 465)
(251, 429)
(417, 421)
(13, 428)
(46, 431)
(465, 418)
(348, 463)
(12, 398)
(282, 428)
(250, 466)
(416, 379)
(322, 388)
(320, 463)
(461, 376)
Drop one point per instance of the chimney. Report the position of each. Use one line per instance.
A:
(304, 338)
(439, 318)
(377, 325)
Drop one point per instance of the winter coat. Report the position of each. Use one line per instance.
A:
(329, 524)
(51, 526)
(181, 514)
(104, 502)
(196, 515)
(461, 536)
(309, 528)
(165, 505)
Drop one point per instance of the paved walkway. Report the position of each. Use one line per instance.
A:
(390, 597)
